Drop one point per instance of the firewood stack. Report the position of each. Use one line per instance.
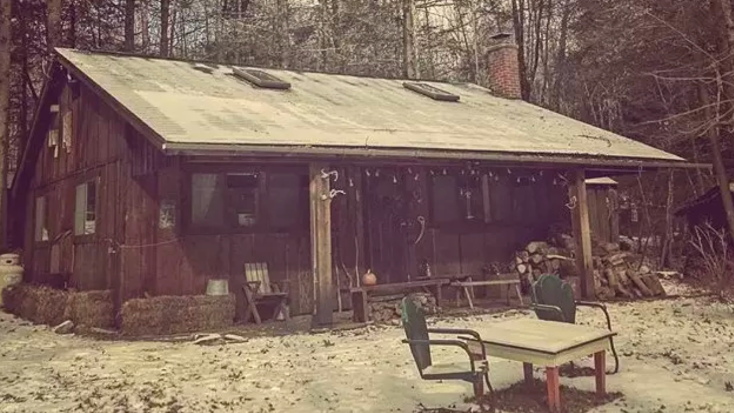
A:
(616, 273)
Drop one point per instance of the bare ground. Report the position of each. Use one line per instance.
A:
(677, 356)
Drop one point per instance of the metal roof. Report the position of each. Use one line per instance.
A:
(605, 180)
(189, 107)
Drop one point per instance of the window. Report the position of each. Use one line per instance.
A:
(243, 200)
(207, 194)
(85, 210)
(471, 197)
(431, 91)
(40, 231)
(243, 197)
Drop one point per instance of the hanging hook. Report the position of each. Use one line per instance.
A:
(325, 175)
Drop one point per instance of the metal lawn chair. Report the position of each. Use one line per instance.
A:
(417, 337)
(553, 300)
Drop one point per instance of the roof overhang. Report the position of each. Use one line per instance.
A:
(601, 164)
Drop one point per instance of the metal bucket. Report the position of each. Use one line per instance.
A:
(217, 287)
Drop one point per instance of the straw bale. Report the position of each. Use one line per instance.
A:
(165, 315)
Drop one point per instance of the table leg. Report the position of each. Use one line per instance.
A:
(527, 369)
(600, 367)
(519, 294)
(469, 297)
(438, 296)
(554, 389)
(360, 306)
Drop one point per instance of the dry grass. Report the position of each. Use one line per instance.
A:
(166, 315)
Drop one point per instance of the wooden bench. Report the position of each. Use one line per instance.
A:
(360, 295)
(467, 286)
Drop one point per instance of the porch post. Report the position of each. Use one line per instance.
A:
(319, 188)
(582, 234)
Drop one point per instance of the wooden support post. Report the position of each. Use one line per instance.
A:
(600, 367)
(527, 369)
(319, 189)
(582, 233)
(554, 389)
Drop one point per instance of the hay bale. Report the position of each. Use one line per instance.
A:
(166, 315)
(92, 309)
(39, 304)
(45, 305)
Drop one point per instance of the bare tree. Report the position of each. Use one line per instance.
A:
(5, 55)
(129, 25)
(164, 43)
(54, 24)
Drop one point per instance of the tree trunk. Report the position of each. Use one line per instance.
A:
(719, 168)
(518, 19)
(283, 33)
(408, 39)
(668, 243)
(165, 11)
(129, 25)
(723, 9)
(53, 10)
(5, 43)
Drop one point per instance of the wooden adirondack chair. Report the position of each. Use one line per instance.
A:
(259, 289)
(476, 371)
(553, 300)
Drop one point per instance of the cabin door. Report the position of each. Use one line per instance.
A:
(387, 226)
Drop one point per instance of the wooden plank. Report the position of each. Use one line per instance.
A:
(600, 373)
(548, 337)
(447, 253)
(582, 234)
(614, 215)
(594, 224)
(472, 253)
(321, 244)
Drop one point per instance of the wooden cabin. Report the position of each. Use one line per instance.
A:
(149, 176)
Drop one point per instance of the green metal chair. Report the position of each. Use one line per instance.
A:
(553, 300)
(417, 337)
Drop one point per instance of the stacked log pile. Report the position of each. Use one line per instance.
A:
(617, 273)
(388, 307)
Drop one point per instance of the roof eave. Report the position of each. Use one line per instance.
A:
(618, 165)
(138, 124)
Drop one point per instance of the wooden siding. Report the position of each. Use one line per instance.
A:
(603, 213)
(134, 255)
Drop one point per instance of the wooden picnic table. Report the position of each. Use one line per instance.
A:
(548, 344)
(467, 284)
(360, 295)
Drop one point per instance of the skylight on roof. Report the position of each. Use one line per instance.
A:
(431, 91)
(203, 67)
(260, 78)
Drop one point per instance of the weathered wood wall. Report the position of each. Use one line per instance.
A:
(132, 254)
(96, 149)
(603, 212)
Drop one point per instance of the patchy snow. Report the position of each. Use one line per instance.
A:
(676, 356)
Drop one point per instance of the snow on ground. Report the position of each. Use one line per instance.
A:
(677, 356)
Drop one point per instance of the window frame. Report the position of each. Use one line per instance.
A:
(36, 240)
(95, 180)
(263, 224)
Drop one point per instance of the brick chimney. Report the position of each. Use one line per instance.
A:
(503, 67)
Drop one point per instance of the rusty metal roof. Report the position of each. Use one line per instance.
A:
(604, 180)
(187, 106)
